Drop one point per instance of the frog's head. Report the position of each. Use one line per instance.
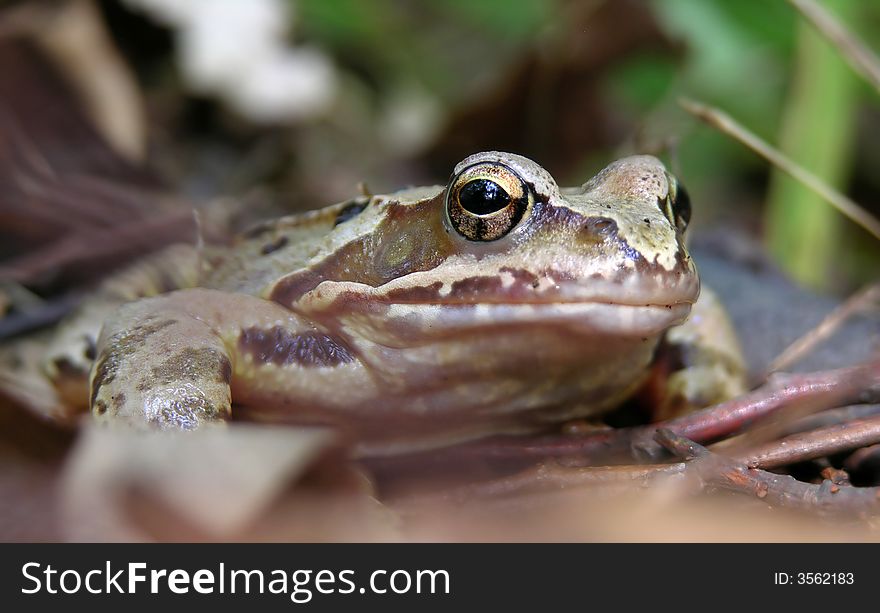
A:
(503, 243)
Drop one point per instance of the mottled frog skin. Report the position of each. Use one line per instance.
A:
(498, 303)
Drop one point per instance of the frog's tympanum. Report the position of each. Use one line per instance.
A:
(499, 303)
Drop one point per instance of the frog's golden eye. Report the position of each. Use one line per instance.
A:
(677, 205)
(486, 201)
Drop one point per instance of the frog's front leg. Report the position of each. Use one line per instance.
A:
(169, 362)
(71, 352)
(699, 363)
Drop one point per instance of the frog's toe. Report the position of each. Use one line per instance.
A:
(144, 376)
(181, 390)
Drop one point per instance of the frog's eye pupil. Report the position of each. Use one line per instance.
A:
(483, 197)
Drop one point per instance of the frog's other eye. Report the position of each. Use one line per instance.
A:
(486, 201)
(677, 204)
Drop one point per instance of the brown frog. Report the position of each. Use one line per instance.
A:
(500, 303)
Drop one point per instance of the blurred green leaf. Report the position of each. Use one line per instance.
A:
(503, 18)
(447, 47)
(339, 21)
(642, 81)
(802, 230)
(737, 58)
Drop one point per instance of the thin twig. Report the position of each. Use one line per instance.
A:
(857, 303)
(821, 390)
(831, 417)
(41, 316)
(858, 458)
(853, 50)
(815, 444)
(717, 471)
(789, 398)
(726, 124)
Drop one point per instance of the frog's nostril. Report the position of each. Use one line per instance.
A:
(600, 225)
(596, 230)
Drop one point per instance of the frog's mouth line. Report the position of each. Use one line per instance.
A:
(505, 285)
(667, 300)
(634, 290)
(574, 294)
(598, 309)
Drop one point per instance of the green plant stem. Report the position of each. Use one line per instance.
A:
(802, 232)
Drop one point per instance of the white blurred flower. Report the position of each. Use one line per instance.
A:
(410, 120)
(236, 50)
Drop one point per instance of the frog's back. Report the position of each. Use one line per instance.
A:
(273, 249)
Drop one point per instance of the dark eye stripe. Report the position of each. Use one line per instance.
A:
(350, 211)
(282, 347)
